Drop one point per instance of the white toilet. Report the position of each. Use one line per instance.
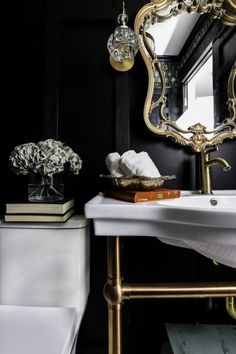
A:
(44, 285)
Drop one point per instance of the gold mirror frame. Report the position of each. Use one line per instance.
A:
(225, 10)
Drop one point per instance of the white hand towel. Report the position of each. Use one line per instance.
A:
(146, 166)
(138, 164)
(112, 161)
(126, 162)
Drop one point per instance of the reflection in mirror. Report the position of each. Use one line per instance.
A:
(170, 35)
(198, 100)
(188, 49)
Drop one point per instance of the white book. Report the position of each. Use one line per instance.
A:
(59, 207)
(39, 217)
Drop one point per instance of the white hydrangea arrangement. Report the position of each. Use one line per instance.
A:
(46, 158)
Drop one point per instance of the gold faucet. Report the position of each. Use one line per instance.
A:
(206, 164)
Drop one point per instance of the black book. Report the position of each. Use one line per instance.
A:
(59, 207)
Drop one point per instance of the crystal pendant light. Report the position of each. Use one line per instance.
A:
(122, 44)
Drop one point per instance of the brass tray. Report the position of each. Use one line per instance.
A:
(137, 183)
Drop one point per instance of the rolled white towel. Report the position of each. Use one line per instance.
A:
(126, 162)
(112, 161)
(146, 166)
(138, 164)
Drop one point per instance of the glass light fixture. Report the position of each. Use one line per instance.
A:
(122, 44)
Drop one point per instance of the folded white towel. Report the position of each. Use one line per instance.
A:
(112, 162)
(138, 164)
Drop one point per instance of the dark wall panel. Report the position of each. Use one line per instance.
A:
(22, 63)
(74, 10)
(19, 12)
(86, 103)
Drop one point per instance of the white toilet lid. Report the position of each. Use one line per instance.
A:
(27, 330)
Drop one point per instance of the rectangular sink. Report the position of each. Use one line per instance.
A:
(190, 221)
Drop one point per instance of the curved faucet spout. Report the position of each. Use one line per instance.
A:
(219, 161)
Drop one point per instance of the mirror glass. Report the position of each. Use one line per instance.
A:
(191, 74)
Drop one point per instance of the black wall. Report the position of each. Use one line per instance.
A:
(57, 82)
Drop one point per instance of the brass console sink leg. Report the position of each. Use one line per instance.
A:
(113, 295)
(114, 329)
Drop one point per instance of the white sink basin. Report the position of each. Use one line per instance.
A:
(199, 202)
(191, 221)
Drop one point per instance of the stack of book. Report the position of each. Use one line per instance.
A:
(23, 211)
(142, 196)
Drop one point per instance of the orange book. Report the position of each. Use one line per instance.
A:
(142, 196)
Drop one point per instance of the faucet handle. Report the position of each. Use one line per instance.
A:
(211, 149)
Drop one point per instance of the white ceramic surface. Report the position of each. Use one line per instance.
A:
(189, 221)
(198, 202)
(36, 330)
(44, 266)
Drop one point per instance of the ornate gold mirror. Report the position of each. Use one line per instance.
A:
(188, 75)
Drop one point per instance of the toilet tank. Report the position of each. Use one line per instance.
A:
(45, 264)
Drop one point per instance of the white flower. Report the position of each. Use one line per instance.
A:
(45, 158)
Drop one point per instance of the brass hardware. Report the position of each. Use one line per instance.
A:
(112, 293)
(197, 137)
(229, 16)
(216, 263)
(114, 330)
(115, 292)
(206, 165)
(230, 307)
(122, 44)
(121, 65)
(113, 296)
(177, 290)
(137, 183)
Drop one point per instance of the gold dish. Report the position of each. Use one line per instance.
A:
(138, 183)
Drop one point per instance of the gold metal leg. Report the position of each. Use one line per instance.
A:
(114, 329)
(115, 292)
(113, 296)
